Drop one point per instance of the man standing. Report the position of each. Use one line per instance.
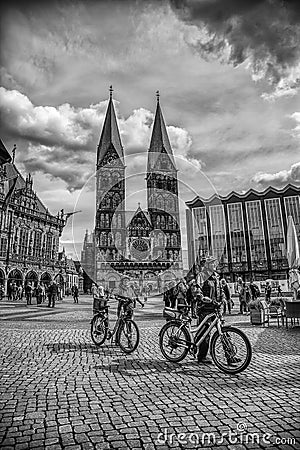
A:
(28, 293)
(75, 293)
(52, 294)
(228, 301)
(268, 292)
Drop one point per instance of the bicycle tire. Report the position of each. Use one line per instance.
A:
(186, 340)
(130, 325)
(99, 327)
(232, 360)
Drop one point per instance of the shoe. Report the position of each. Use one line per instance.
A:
(206, 361)
(233, 360)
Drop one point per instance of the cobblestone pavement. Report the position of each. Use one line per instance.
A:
(59, 391)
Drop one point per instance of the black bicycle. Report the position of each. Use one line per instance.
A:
(229, 347)
(125, 330)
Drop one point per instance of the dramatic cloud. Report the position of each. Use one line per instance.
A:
(263, 33)
(62, 140)
(279, 179)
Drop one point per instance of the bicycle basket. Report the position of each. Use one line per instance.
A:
(99, 304)
(205, 308)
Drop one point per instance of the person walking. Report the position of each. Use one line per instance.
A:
(28, 293)
(279, 291)
(254, 290)
(75, 293)
(38, 294)
(9, 291)
(242, 298)
(228, 301)
(53, 291)
(14, 291)
(268, 292)
(20, 292)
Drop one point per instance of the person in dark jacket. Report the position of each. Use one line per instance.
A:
(52, 294)
(75, 293)
(268, 292)
(228, 301)
(28, 293)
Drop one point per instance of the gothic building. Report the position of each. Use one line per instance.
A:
(146, 245)
(29, 235)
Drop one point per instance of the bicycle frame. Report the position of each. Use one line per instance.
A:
(186, 322)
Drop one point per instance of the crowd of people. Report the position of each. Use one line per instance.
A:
(43, 292)
(206, 282)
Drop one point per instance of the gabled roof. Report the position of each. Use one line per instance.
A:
(110, 135)
(12, 172)
(233, 196)
(159, 140)
(4, 155)
(143, 213)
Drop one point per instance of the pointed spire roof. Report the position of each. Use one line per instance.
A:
(159, 140)
(110, 136)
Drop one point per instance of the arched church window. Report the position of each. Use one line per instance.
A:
(174, 240)
(159, 202)
(163, 222)
(168, 240)
(116, 200)
(109, 239)
(160, 239)
(107, 220)
(158, 222)
(119, 221)
(101, 220)
(118, 238)
(102, 238)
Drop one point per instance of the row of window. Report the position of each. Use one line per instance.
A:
(34, 243)
(236, 227)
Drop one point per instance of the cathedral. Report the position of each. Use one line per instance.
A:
(143, 244)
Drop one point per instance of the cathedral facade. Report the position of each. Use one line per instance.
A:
(143, 244)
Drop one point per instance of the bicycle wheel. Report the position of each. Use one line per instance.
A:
(99, 328)
(174, 341)
(128, 336)
(231, 351)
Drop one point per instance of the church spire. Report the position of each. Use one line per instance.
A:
(159, 140)
(110, 136)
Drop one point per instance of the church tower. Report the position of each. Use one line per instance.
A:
(110, 195)
(162, 193)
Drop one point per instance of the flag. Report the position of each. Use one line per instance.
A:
(4, 155)
(12, 185)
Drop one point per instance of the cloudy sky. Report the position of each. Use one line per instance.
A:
(229, 76)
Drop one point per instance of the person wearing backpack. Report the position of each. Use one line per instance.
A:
(254, 289)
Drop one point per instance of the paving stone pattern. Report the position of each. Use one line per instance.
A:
(58, 391)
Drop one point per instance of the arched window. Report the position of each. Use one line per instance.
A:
(174, 240)
(118, 238)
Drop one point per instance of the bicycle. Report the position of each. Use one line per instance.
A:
(229, 347)
(125, 330)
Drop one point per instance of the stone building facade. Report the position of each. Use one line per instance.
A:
(29, 242)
